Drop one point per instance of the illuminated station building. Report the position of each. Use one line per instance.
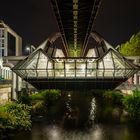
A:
(102, 68)
(84, 61)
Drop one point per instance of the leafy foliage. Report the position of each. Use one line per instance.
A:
(131, 47)
(15, 116)
(132, 105)
(114, 97)
(42, 99)
(46, 95)
(24, 98)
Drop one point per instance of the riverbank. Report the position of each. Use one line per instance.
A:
(79, 110)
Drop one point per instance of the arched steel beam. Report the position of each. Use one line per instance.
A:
(93, 16)
(49, 41)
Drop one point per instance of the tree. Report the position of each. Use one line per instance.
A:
(131, 47)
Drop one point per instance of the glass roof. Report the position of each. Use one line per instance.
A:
(39, 65)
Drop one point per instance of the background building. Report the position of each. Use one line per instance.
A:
(10, 41)
(10, 45)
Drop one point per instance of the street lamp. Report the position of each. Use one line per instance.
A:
(28, 49)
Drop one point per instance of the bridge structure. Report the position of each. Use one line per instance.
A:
(84, 61)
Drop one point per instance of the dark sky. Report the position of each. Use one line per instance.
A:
(34, 20)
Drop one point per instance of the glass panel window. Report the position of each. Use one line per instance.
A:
(100, 65)
(59, 73)
(42, 61)
(41, 73)
(70, 69)
(70, 72)
(80, 65)
(108, 73)
(69, 65)
(59, 65)
(108, 61)
(31, 73)
(80, 69)
(91, 65)
(80, 73)
(50, 65)
(119, 72)
(50, 73)
(91, 73)
(100, 73)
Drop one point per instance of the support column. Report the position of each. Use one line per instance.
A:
(14, 80)
(19, 84)
(16, 85)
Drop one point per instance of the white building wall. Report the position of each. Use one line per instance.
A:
(4, 30)
(5, 72)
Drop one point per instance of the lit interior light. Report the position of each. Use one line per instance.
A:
(75, 25)
(75, 6)
(75, 13)
(54, 133)
(75, 22)
(75, 1)
(69, 95)
(75, 52)
(50, 65)
(75, 17)
(28, 49)
(75, 31)
(83, 66)
(67, 67)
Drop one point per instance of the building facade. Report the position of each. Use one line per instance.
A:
(10, 41)
(10, 45)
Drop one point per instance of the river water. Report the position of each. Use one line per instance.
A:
(79, 116)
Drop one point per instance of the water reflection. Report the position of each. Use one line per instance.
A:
(73, 118)
(93, 109)
(97, 132)
(53, 133)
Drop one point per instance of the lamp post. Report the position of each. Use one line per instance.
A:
(28, 49)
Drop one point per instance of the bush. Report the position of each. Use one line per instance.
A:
(43, 98)
(24, 98)
(132, 105)
(115, 97)
(15, 116)
(47, 95)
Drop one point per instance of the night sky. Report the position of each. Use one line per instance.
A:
(34, 20)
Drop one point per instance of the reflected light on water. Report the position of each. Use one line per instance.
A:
(97, 133)
(53, 133)
(93, 109)
(56, 133)
(69, 95)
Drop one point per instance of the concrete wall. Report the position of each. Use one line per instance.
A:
(5, 93)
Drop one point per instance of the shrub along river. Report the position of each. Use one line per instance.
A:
(81, 116)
